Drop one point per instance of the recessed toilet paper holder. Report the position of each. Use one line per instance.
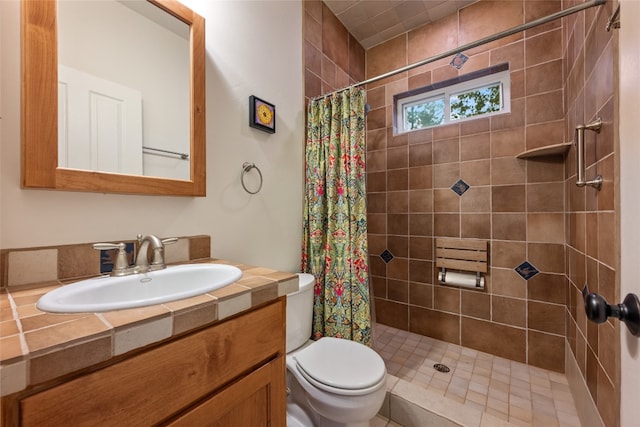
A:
(442, 278)
(469, 259)
(598, 310)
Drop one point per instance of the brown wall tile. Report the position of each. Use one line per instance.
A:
(507, 282)
(507, 142)
(476, 172)
(397, 157)
(398, 290)
(510, 311)
(476, 199)
(507, 170)
(421, 247)
(475, 147)
(392, 313)
(420, 178)
(446, 200)
(446, 225)
(446, 298)
(546, 351)
(547, 288)
(508, 226)
(420, 271)
(546, 317)
(508, 198)
(490, 337)
(421, 294)
(420, 200)
(436, 324)
(397, 201)
(475, 304)
(76, 261)
(445, 175)
(335, 39)
(475, 226)
(507, 254)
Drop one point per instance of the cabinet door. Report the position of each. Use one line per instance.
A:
(257, 400)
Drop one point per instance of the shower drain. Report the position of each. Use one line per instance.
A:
(441, 368)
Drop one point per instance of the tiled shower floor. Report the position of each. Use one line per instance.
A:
(510, 391)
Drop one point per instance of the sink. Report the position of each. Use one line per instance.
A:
(138, 290)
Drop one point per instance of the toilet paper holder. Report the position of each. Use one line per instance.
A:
(442, 279)
(469, 259)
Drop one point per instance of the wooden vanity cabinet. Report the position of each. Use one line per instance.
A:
(229, 374)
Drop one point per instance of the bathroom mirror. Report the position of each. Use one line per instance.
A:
(43, 104)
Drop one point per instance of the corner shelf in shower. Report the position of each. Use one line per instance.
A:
(549, 150)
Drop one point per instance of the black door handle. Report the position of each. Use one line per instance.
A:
(598, 310)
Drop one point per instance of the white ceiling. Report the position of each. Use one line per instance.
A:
(372, 22)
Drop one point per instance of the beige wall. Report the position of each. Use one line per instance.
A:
(249, 52)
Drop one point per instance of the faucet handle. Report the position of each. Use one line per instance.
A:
(169, 240)
(121, 263)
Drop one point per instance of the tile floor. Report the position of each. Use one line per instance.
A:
(514, 392)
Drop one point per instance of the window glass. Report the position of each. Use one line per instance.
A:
(479, 94)
(422, 114)
(476, 102)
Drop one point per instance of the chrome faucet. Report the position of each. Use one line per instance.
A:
(121, 266)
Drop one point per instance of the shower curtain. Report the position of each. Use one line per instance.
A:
(334, 247)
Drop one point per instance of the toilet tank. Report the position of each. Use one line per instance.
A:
(300, 312)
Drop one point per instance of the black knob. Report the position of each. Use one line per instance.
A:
(598, 310)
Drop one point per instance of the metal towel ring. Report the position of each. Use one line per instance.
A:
(246, 167)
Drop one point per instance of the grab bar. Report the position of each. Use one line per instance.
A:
(597, 182)
(183, 156)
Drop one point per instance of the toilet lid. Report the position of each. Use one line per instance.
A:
(341, 364)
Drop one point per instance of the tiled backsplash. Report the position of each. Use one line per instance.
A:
(27, 266)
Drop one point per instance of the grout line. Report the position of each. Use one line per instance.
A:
(516, 385)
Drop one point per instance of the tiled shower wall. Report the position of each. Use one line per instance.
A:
(333, 58)
(592, 251)
(517, 205)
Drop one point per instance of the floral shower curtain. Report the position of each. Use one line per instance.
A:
(335, 217)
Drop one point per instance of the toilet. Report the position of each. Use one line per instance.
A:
(331, 382)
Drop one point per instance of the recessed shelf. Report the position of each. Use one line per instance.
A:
(549, 150)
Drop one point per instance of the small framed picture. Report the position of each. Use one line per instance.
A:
(262, 114)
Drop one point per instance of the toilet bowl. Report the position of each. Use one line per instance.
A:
(332, 382)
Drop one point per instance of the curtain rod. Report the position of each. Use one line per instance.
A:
(484, 40)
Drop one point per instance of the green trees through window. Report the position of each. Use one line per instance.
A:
(427, 114)
(460, 99)
(476, 102)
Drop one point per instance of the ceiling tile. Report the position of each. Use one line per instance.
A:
(373, 22)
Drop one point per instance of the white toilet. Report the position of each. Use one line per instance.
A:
(332, 382)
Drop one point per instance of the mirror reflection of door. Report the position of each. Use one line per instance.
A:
(99, 124)
(136, 45)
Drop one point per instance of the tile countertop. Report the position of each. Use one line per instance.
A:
(36, 346)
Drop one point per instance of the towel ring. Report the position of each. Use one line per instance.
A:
(246, 167)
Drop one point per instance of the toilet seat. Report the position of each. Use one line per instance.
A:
(341, 367)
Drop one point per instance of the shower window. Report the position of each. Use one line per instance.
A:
(467, 97)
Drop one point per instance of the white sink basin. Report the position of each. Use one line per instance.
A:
(139, 290)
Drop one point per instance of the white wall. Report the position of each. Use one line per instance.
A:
(630, 204)
(253, 48)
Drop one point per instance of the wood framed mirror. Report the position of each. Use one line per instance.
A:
(40, 165)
